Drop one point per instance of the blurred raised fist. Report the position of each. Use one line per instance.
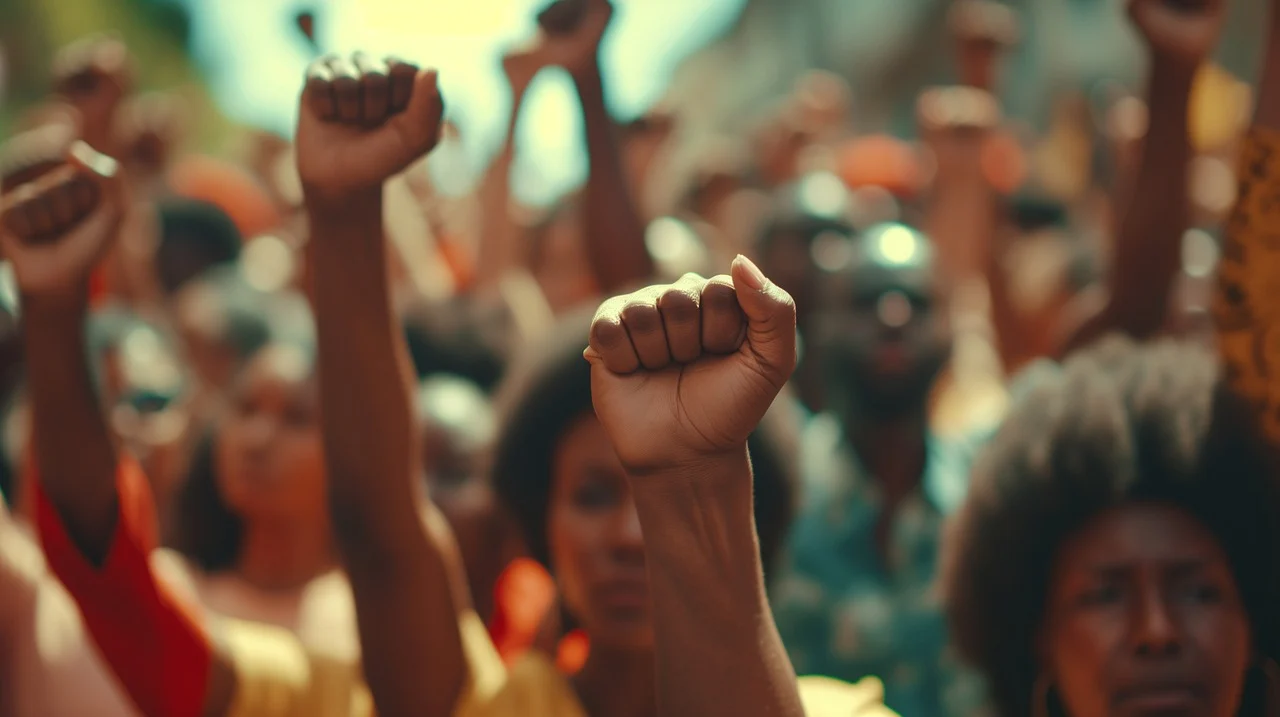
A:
(363, 120)
(983, 29)
(94, 75)
(572, 32)
(1181, 32)
(38, 150)
(56, 229)
(682, 373)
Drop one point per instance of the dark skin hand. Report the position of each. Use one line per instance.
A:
(613, 228)
(94, 75)
(1153, 217)
(363, 120)
(680, 376)
(55, 231)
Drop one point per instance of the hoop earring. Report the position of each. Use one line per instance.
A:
(1040, 695)
(1271, 675)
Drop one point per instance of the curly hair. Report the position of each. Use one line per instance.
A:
(1117, 423)
(549, 388)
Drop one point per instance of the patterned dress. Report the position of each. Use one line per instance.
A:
(845, 612)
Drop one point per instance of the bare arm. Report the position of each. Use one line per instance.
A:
(613, 229)
(362, 122)
(680, 427)
(1154, 216)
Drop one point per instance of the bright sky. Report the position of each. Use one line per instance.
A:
(254, 59)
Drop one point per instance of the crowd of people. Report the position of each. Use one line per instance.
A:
(949, 431)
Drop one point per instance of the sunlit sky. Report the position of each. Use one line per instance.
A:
(254, 59)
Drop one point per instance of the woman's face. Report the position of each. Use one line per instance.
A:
(1144, 618)
(597, 552)
(269, 458)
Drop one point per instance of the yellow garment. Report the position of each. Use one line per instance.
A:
(277, 677)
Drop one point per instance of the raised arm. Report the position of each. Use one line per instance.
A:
(361, 121)
(1155, 212)
(54, 231)
(681, 375)
(1245, 306)
(613, 229)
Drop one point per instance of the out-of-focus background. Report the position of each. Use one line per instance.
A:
(720, 63)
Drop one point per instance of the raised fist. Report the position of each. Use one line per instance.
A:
(682, 373)
(1183, 32)
(363, 120)
(572, 32)
(39, 150)
(94, 75)
(56, 229)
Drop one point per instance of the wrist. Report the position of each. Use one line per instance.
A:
(724, 478)
(54, 307)
(343, 205)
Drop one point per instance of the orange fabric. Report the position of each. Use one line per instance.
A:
(230, 189)
(523, 595)
(881, 161)
(152, 643)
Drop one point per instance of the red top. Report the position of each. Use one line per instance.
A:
(147, 636)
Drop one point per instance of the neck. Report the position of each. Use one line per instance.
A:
(617, 683)
(892, 450)
(282, 554)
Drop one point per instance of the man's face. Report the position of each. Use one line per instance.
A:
(881, 333)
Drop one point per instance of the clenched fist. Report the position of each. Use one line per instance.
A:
(1182, 32)
(682, 373)
(363, 120)
(56, 229)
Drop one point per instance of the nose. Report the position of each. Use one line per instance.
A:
(627, 539)
(257, 433)
(894, 310)
(1156, 631)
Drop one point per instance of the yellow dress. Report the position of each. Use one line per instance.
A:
(277, 677)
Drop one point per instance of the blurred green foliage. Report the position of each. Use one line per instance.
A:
(156, 32)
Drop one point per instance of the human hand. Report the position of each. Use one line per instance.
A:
(572, 32)
(983, 30)
(363, 120)
(523, 63)
(1181, 33)
(55, 230)
(94, 75)
(682, 373)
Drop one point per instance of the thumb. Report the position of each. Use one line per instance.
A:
(104, 173)
(771, 317)
(421, 121)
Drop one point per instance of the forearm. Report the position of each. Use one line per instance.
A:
(497, 231)
(363, 372)
(614, 229)
(405, 604)
(72, 445)
(1154, 214)
(718, 651)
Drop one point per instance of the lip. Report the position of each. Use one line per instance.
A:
(1166, 698)
(625, 595)
(891, 358)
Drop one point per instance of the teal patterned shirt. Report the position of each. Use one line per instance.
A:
(846, 613)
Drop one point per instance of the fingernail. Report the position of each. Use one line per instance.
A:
(99, 163)
(751, 273)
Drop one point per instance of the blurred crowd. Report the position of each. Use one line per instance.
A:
(975, 423)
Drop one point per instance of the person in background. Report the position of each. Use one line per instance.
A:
(413, 610)
(458, 431)
(854, 594)
(1118, 548)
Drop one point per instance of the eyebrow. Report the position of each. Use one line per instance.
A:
(1176, 567)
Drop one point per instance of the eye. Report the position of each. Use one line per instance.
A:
(1200, 592)
(1100, 595)
(597, 493)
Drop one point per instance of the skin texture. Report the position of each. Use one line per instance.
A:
(1144, 615)
(681, 374)
(361, 121)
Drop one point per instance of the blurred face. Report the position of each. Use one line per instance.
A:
(597, 551)
(881, 336)
(1144, 618)
(269, 459)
